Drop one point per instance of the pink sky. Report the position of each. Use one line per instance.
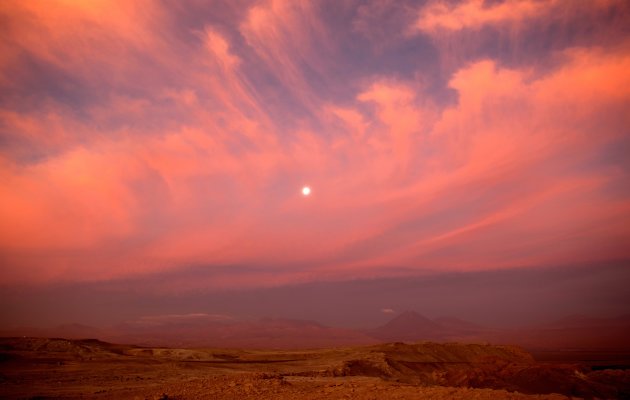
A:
(142, 137)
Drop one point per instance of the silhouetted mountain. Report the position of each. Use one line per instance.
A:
(411, 326)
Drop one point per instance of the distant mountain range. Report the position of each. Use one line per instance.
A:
(201, 330)
(573, 332)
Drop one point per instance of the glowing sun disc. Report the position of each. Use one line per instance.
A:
(306, 190)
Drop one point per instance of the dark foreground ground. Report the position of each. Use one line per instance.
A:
(38, 368)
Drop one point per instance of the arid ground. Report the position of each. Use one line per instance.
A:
(39, 368)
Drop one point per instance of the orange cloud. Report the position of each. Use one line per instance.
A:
(475, 14)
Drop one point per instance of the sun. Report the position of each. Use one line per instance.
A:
(306, 190)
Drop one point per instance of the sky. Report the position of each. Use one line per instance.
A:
(158, 150)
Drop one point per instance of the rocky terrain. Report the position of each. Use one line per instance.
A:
(71, 369)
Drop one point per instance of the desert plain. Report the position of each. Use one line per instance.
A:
(45, 368)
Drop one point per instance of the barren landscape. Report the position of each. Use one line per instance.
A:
(40, 368)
